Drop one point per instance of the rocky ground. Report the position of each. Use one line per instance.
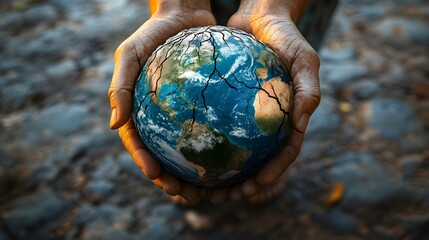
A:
(362, 173)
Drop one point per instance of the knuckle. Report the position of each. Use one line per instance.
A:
(123, 48)
(307, 53)
(110, 92)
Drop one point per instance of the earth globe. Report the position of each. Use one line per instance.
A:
(212, 104)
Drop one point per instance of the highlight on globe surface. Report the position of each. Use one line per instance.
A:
(212, 105)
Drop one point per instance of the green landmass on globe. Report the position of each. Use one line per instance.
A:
(203, 145)
(212, 105)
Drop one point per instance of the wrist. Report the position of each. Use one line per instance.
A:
(167, 6)
(290, 8)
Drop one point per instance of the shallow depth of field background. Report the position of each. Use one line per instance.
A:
(363, 172)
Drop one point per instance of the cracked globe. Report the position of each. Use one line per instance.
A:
(212, 105)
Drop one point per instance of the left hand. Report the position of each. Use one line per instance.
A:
(171, 17)
(275, 27)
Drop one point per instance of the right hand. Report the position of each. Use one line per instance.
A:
(170, 18)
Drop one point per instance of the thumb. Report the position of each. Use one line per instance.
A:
(125, 73)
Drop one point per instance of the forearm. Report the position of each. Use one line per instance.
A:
(293, 8)
(181, 5)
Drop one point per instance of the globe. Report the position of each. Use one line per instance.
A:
(212, 105)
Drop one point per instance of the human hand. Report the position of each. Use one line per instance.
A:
(170, 18)
(274, 24)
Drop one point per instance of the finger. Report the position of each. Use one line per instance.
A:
(190, 192)
(125, 73)
(304, 105)
(273, 169)
(204, 192)
(301, 61)
(306, 93)
(168, 183)
(305, 75)
(141, 156)
(250, 187)
(219, 195)
(129, 59)
(235, 193)
(276, 166)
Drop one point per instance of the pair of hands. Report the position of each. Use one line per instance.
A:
(273, 25)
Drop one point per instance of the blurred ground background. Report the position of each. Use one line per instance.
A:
(65, 175)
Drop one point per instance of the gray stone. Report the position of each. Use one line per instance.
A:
(100, 188)
(396, 74)
(104, 222)
(7, 160)
(3, 236)
(98, 84)
(355, 158)
(127, 164)
(342, 54)
(165, 222)
(94, 143)
(22, 89)
(45, 46)
(342, 74)
(381, 233)
(63, 71)
(107, 169)
(374, 60)
(343, 22)
(367, 182)
(11, 65)
(121, 12)
(101, 231)
(414, 143)
(31, 211)
(2, 172)
(391, 118)
(374, 11)
(158, 228)
(56, 160)
(11, 21)
(3, 42)
(56, 121)
(337, 221)
(44, 172)
(40, 14)
(13, 95)
(366, 89)
(117, 218)
(417, 226)
(400, 30)
(410, 164)
(325, 119)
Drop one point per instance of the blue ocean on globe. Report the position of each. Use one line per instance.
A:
(212, 105)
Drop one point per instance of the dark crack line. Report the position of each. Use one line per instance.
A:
(285, 113)
(215, 55)
(142, 101)
(160, 67)
(194, 107)
(275, 97)
(248, 103)
(225, 115)
(173, 43)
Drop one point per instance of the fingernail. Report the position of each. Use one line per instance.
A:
(113, 118)
(303, 122)
(250, 188)
(235, 196)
